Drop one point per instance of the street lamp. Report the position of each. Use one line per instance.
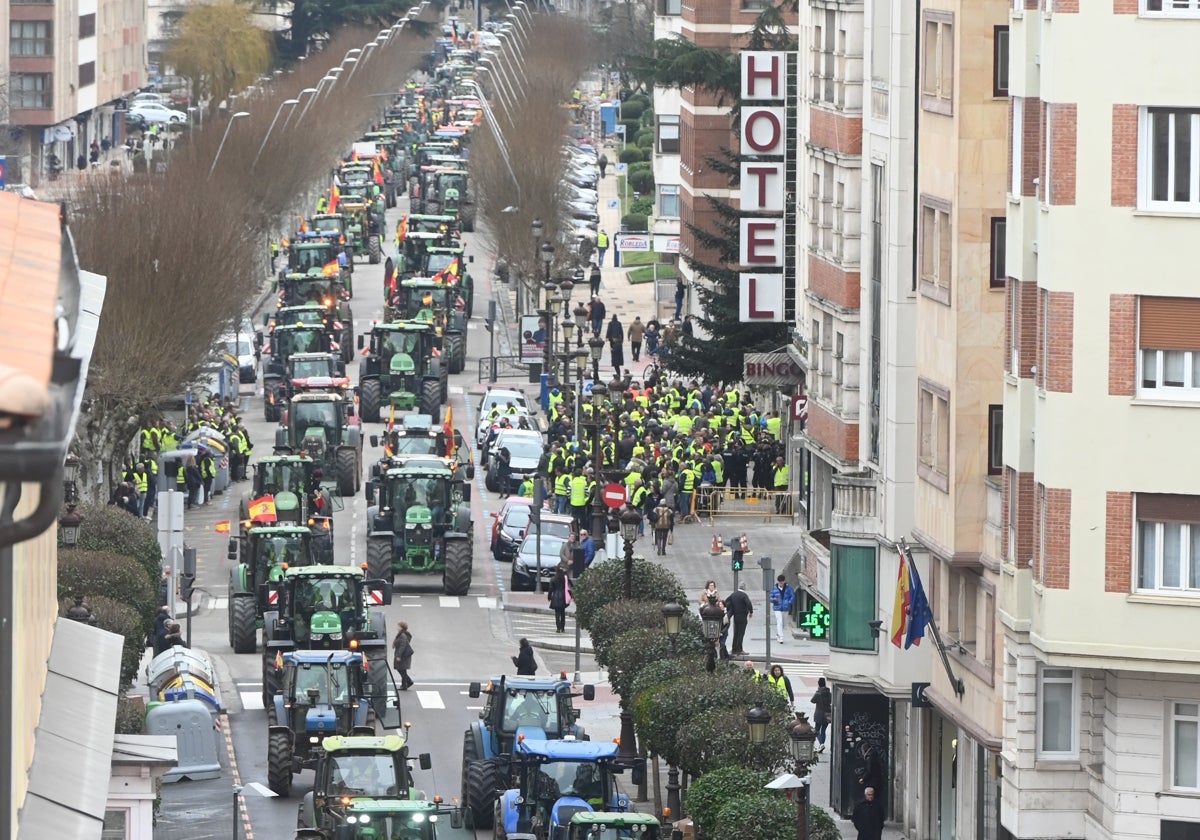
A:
(287, 103)
(598, 397)
(225, 137)
(81, 612)
(712, 617)
(547, 251)
(672, 613)
(758, 719)
(580, 370)
(596, 347)
(310, 92)
(630, 519)
(71, 520)
(803, 738)
(548, 315)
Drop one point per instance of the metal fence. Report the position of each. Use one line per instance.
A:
(710, 503)
(493, 368)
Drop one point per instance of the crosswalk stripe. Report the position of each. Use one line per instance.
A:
(430, 700)
(485, 603)
(448, 601)
(251, 700)
(218, 603)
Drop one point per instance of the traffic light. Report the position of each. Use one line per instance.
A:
(738, 563)
(187, 577)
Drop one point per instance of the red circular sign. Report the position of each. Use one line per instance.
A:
(613, 495)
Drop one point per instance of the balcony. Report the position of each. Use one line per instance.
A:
(855, 504)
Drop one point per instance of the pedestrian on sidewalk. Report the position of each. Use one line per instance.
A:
(526, 664)
(662, 518)
(741, 610)
(822, 701)
(868, 817)
(651, 337)
(559, 597)
(680, 291)
(601, 245)
(594, 279)
(616, 342)
(780, 682)
(596, 313)
(603, 163)
(637, 330)
(782, 597)
(402, 654)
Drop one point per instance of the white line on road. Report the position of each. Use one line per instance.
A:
(474, 708)
(218, 603)
(430, 700)
(448, 601)
(261, 789)
(486, 603)
(249, 684)
(251, 700)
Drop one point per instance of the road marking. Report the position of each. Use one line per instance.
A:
(458, 389)
(218, 603)
(448, 601)
(250, 684)
(486, 603)
(251, 700)
(430, 700)
(261, 789)
(475, 708)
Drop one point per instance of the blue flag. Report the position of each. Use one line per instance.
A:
(919, 613)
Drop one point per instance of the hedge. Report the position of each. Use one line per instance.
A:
(635, 222)
(632, 109)
(641, 182)
(107, 528)
(630, 154)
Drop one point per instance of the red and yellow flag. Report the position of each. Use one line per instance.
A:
(448, 430)
(376, 172)
(278, 660)
(402, 229)
(335, 196)
(901, 604)
(330, 268)
(262, 509)
(447, 274)
(354, 155)
(303, 225)
(222, 527)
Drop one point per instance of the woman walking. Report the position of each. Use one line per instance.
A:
(504, 472)
(780, 682)
(526, 664)
(559, 597)
(402, 654)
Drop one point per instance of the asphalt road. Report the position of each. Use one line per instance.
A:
(455, 639)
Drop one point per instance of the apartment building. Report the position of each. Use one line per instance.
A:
(665, 226)
(1100, 570)
(67, 64)
(961, 131)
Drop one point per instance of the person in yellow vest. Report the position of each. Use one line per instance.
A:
(562, 490)
(208, 472)
(579, 489)
(141, 484)
(773, 424)
(526, 488)
(151, 487)
(779, 484)
(780, 682)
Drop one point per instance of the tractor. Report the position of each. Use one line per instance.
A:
(312, 254)
(330, 227)
(515, 709)
(410, 253)
(323, 693)
(402, 368)
(443, 305)
(437, 182)
(260, 554)
(404, 445)
(322, 426)
(309, 291)
(557, 779)
(613, 825)
(322, 608)
(283, 342)
(421, 523)
(358, 768)
(365, 220)
(439, 257)
(391, 819)
(303, 373)
(294, 484)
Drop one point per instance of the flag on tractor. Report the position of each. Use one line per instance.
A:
(447, 274)
(278, 660)
(262, 509)
(448, 430)
(303, 225)
(354, 155)
(222, 527)
(330, 268)
(335, 195)
(376, 172)
(402, 229)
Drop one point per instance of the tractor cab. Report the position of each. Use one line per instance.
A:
(313, 254)
(315, 289)
(315, 371)
(314, 314)
(330, 226)
(411, 253)
(442, 224)
(317, 424)
(400, 368)
(397, 820)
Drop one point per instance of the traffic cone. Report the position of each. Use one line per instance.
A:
(743, 543)
(717, 547)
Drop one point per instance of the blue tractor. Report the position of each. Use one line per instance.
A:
(515, 708)
(323, 693)
(558, 779)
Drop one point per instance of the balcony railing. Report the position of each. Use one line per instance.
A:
(856, 504)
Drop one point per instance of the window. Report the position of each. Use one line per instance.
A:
(668, 134)
(1185, 745)
(29, 37)
(839, 343)
(1169, 159)
(937, 70)
(1168, 543)
(668, 201)
(962, 597)
(87, 25)
(1171, 8)
(1012, 491)
(87, 74)
(936, 244)
(1018, 129)
(995, 439)
(1169, 348)
(876, 304)
(670, 7)
(852, 587)
(881, 41)
(824, 54)
(934, 433)
(29, 90)
(1039, 512)
(1000, 61)
(1056, 712)
(999, 270)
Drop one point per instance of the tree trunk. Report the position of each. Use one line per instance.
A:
(658, 802)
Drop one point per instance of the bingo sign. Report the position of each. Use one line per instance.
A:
(761, 295)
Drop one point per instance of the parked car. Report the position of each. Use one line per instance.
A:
(486, 427)
(242, 348)
(525, 451)
(154, 112)
(534, 563)
(514, 524)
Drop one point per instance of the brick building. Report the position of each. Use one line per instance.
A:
(1101, 556)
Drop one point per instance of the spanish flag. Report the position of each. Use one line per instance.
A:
(222, 527)
(262, 509)
(901, 604)
(330, 269)
(303, 225)
(354, 155)
(376, 172)
(448, 430)
(401, 229)
(278, 660)
(447, 274)
(335, 195)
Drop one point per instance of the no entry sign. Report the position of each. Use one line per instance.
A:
(613, 495)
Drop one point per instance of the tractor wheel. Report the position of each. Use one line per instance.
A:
(242, 624)
(346, 470)
(373, 250)
(431, 397)
(270, 410)
(370, 395)
(379, 560)
(460, 351)
(455, 351)
(279, 762)
(272, 683)
(470, 754)
(468, 222)
(483, 786)
(456, 577)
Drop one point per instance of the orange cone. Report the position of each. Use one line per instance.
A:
(743, 543)
(717, 547)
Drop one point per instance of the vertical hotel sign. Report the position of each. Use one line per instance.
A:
(761, 295)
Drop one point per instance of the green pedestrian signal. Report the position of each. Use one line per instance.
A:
(738, 563)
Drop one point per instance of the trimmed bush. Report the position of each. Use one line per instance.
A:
(707, 795)
(637, 99)
(764, 815)
(641, 182)
(717, 738)
(630, 154)
(635, 222)
(604, 583)
(620, 618)
(632, 127)
(107, 528)
(643, 206)
(645, 139)
(631, 109)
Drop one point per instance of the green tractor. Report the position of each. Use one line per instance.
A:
(441, 304)
(402, 368)
(421, 523)
(313, 254)
(440, 188)
(294, 484)
(261, 553)
(324, 292)
(353, 769)
(614, 825)
(322, 608)
(410, 255)
(403, 444)
(322, 426)
(365, 220)
(385, 819)
(439, 257)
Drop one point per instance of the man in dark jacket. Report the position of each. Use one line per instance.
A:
(868, 817)
(161, 620)
(740, 609)
(526, 664)
(596, 314)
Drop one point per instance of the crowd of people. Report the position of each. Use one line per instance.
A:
(193, 474)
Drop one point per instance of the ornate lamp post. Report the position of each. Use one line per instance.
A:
(536, 229)
(580, 369)
(672, 614)
(596, 348)
(630, 519)
(758, 719)
(580, 315)
(712, 617)
(803, 738)
(71, 520)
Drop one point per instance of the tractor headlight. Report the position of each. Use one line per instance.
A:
(410, 525)
(314, 739)
(337, 637)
